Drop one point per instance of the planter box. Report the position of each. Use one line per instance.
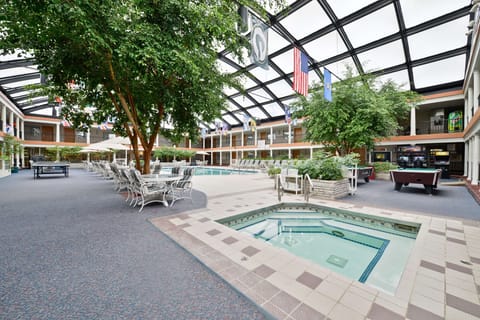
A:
(383, 176)
(329, 190)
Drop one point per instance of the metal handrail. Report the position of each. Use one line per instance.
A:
(307, 187)
(279, 187)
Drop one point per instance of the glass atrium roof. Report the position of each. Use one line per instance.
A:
(421, 45)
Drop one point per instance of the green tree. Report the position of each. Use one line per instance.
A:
(141, 63)
(362, 110)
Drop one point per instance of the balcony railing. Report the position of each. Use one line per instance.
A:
(431, 127)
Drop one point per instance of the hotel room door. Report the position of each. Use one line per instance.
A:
(47, 133)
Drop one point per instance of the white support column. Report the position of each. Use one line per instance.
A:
(476, 87)
(231, 137)
(243, 138)
(17, 125)
(88, 136)
(413, 121)
(470, 158)
(10, 122)
(220, 142)
(157, 140)
(271, 137)
(475, 159)
(255, 139)
(470, 102)
(57, 138)
(4, 118)
(289, 134)
(465, 159)
(22, 127)
(465, 112)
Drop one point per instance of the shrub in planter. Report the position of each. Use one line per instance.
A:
(384, 166)
(326, 174)
(382, 170)
(273, 171)
(322, 166)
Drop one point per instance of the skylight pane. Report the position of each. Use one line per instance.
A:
(281, 88)
(339, 68)
(260, 95)
(230, 120)
(243, 101)
(343, 8)
(275, 41)
(416, 12)
(247, 82)
(271, 8)
(224, 67)
(231, 106)
(257, 113)
(382, 57)
(439, 72)
(376, 25)
(274, 109)
(264, 75)
(325, 47)
(17, 71)
(306, 20)
(229, 91)
(399, 77)
(445, 37)
(245, 56)
(285, 61)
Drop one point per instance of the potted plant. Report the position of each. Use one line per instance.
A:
(327, 176)
(273, 171)
(382, 170)
(11, 146)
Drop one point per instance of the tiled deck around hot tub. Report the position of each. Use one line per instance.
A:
(441, 279)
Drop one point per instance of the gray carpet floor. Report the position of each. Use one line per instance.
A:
(70, 248)
(452, 201)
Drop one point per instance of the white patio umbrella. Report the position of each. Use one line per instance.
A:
(203, 154)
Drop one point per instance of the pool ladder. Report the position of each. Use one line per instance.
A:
(307, 187)
(279, 186)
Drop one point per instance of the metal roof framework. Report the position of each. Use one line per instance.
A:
(420, 45)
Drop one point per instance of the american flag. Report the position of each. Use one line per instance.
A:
(103, 126)
(300, 72)
(66, 123)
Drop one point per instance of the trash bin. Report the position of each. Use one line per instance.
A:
(445, 171)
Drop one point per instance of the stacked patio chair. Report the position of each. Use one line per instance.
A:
(119, 181)
(157, 167)
(176, 170)
(182, 189)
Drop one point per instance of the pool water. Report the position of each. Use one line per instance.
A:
(212, 171)
(209, 171)
(371, 254)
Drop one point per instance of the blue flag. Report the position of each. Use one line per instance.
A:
(288, 116)
(327, 84)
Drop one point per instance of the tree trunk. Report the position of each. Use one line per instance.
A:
(147, 155)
